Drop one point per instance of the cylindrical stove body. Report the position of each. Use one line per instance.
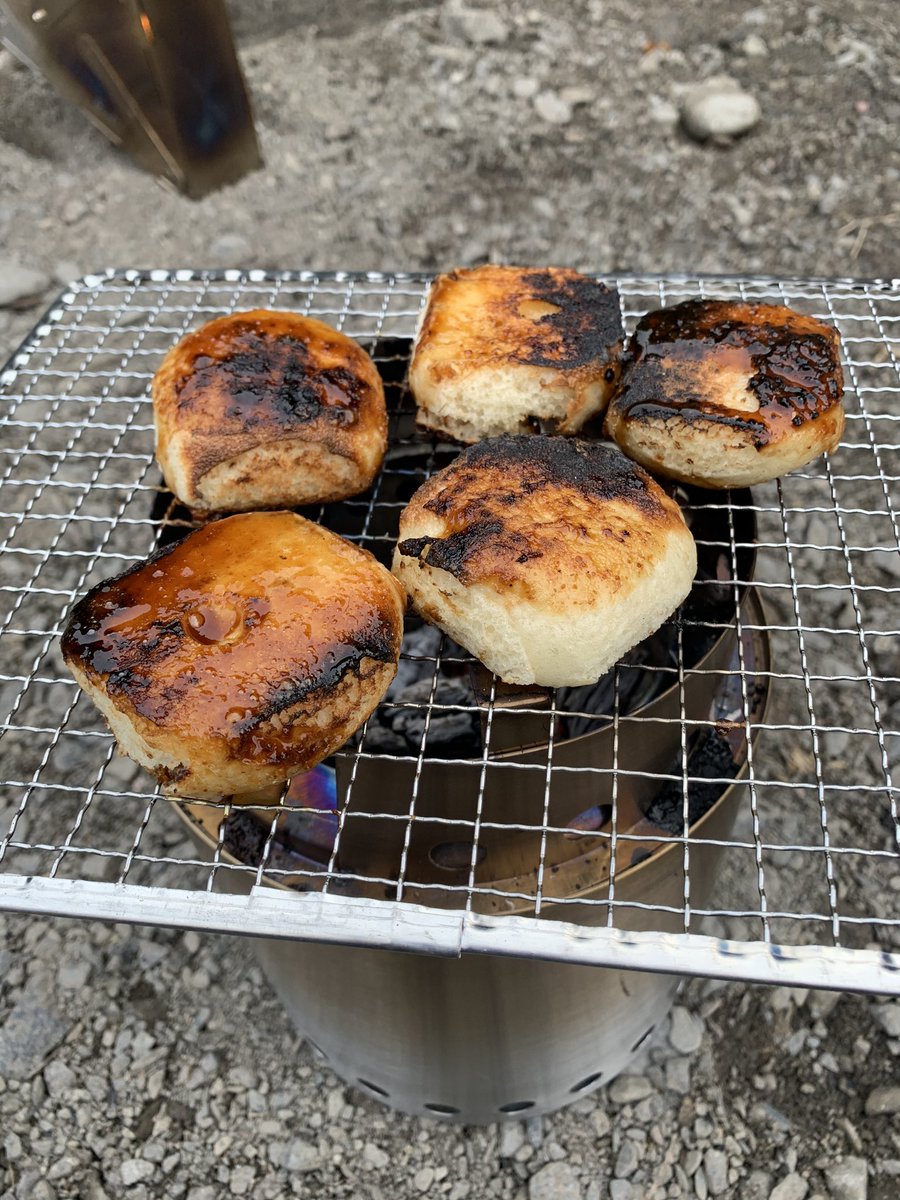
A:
(481, 1038)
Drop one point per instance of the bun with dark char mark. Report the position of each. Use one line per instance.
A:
(244, 653)
(723, 393)
(513, 350)
(267, 410)
(546, 558)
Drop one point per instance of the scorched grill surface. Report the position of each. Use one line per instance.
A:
(808, 889)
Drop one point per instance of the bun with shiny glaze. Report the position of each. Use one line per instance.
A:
(241, 655)
(267, 410)
(723, 393)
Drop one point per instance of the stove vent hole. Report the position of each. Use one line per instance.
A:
(444, 1110)
(373, 1087)
(586, 1082)
(516, 1106)
(637, 1045)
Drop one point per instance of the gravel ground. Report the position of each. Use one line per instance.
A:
(146, 1063)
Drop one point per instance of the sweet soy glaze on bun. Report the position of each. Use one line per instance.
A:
(267, 410)
(241, 655)
(723, 393)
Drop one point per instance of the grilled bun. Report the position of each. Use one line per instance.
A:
(546, 558)
(509, 349)
(722, 393)
(244, 653)
(267, 410)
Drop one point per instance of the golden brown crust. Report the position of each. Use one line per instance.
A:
(551, 520)
(276, 380)
(563, 327)
(249, 650)
(725, 392)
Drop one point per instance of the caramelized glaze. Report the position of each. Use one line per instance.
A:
(581, 507)
(496, 314)
(760, 368)
(222, 633)
(260, 366)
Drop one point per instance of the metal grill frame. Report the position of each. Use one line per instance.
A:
(144, 307)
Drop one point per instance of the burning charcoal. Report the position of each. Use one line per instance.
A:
(451, 733)
(711, 759)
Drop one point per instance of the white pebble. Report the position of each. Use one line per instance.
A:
(792, 1187)
(848, 1180)
(686, 1032)
(719, 108)
(135, 1170)
(551, 107)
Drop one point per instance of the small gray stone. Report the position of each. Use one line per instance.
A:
(601, 1123)
(692, 1161)
(626, 1160)
(792, 1187)
(301, 1156)
(374, 1157)
(628, 1089)
(756, 1186)
(577, 95)
(678, 1074)
(686, 1032)
(551, 107)
(512, 1138)
(556, 1181)
(754, 46)
(525, 87)
(719, 108)
(476, 25)
(662, 111)
(883, 1100)
(821, 1002)
(12, 1147)
(74, 210)
(29, 1033)
(715, 1166)
(423, 1179)
(73, 974)
(135, 1170)
(58, 1078)
(848, 1180)
(620, 1189)
(241, 1179)
(888, 1017)
(20, 286)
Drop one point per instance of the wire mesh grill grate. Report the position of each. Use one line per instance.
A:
(803, 885)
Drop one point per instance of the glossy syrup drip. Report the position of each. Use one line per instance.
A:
(758, 367)
(227, 630)
(213, 621)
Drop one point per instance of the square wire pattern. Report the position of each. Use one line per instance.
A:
(807, 887)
